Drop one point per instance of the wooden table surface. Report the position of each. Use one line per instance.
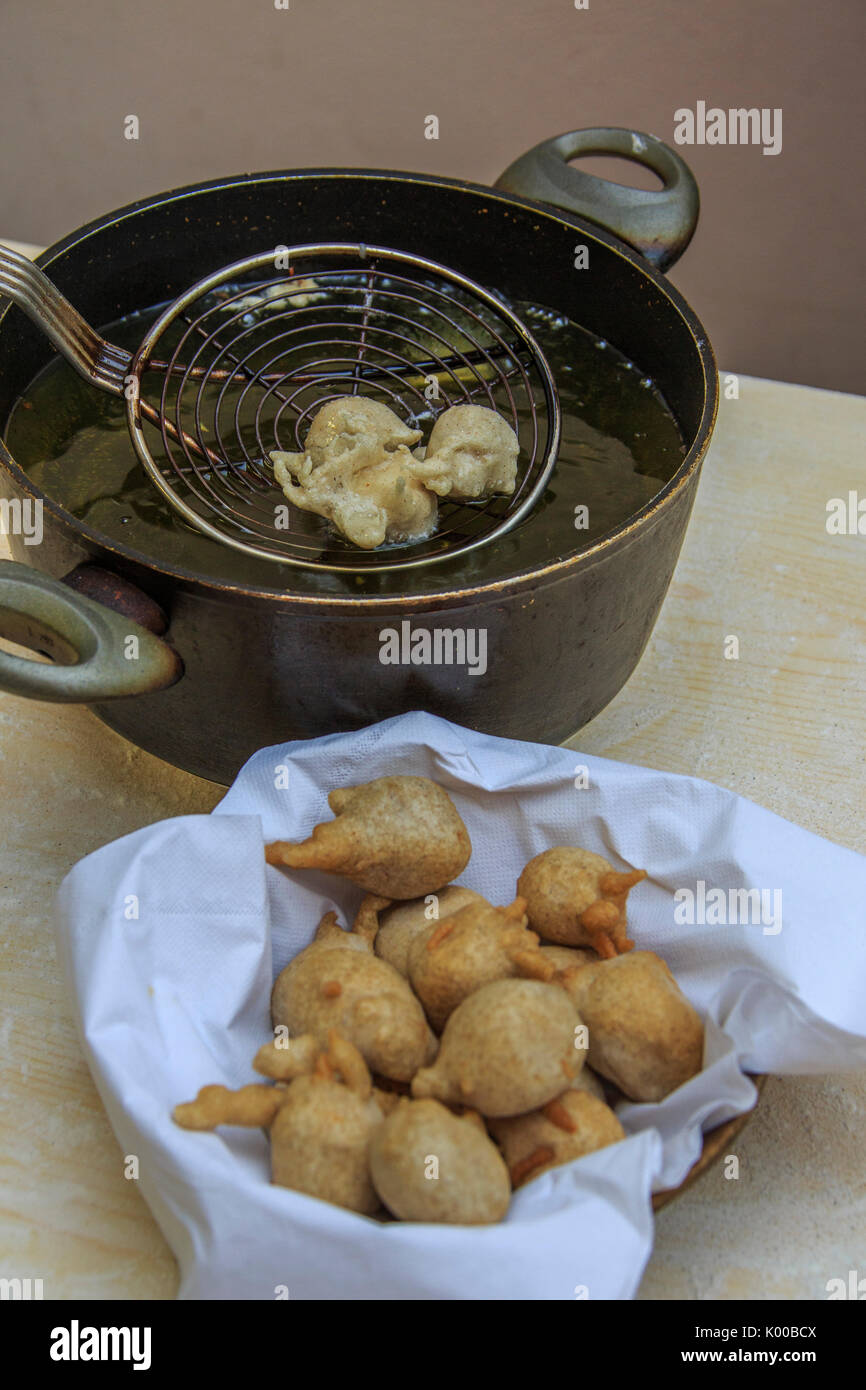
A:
(784, 724)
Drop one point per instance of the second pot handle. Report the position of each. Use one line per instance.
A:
(657, 223)
(99, 654)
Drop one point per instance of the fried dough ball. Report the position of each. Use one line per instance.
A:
(401, 923)
(320, 1142)
(400, 837)
(356, 470)
(288, 294)
(576, 898)
(644, 1035)
(337, 982)
(384, 502)
(356, 431)
(571, 1125)
(472, 452)
(320, 1125)
(508, 1048)
(470, 948)
(256, 1105)
(430, 1165)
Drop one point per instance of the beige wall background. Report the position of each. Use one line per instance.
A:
(226, 86)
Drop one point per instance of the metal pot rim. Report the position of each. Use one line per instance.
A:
(530, 579)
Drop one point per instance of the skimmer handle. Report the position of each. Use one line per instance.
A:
(97, 361)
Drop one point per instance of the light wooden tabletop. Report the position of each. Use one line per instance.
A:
(784, 724)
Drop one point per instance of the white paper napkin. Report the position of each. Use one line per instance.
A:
(171, 938)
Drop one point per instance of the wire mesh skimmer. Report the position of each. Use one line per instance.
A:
(240, 363)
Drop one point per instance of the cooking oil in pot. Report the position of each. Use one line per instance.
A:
(620, 445)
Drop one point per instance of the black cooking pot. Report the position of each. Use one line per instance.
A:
(219, 669)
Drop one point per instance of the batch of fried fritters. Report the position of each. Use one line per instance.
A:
(444, 1051)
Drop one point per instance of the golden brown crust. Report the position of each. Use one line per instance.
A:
(505, 1049)
(644, 1035)
(337, 982)
(474, 946)
(574, 1124)
(320, 1139)
(558, 1115)
(403, 921)
(530, 964)
(428, 1164)
(323, 1069)
(525, 1167)
(330, 933)
(285, 1058)
(366, 923)
(569, 957)
(439, 934)
(345, 1058)
(320, 1146)
(576, 898)
(254, 1105)
(395, 837)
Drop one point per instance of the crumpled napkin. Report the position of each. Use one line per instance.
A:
(171, 937)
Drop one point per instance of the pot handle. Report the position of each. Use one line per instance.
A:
(659, 224)
(100, 654)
